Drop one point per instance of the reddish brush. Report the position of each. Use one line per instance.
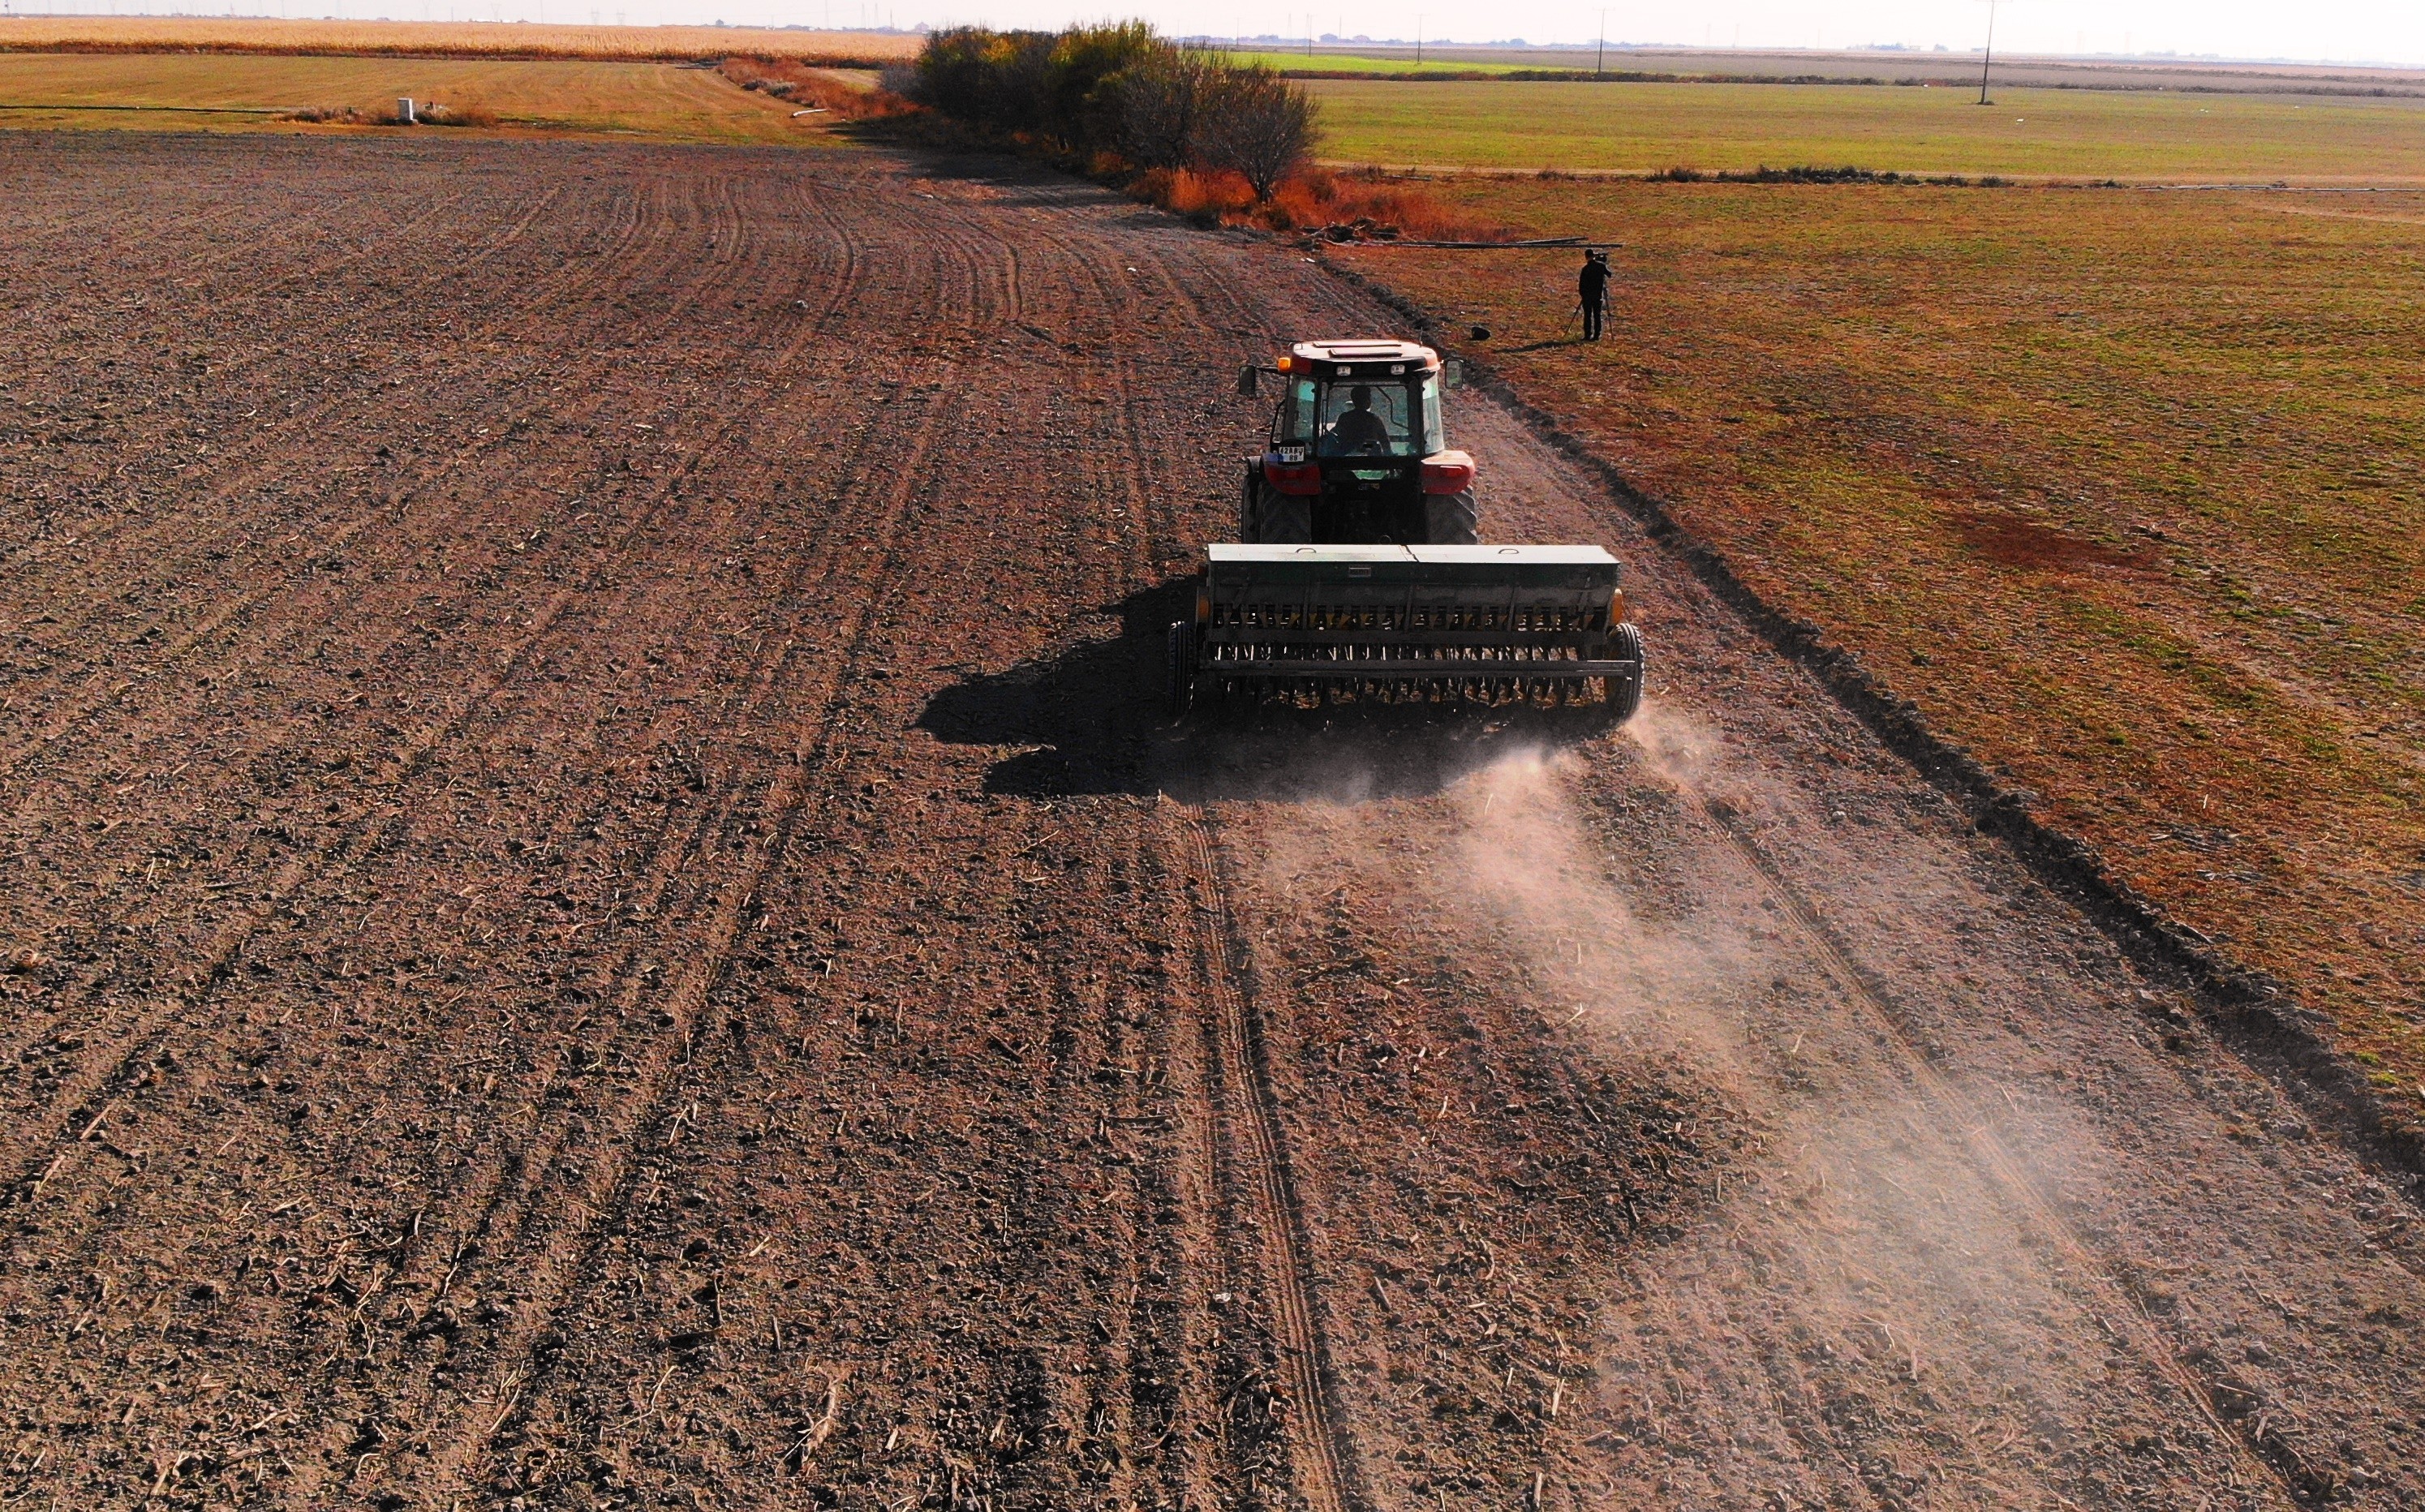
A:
(813, 89)
(1208, 197)
(1376, 206)
(1369, 195)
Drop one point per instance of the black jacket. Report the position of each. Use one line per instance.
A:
(1592, 284)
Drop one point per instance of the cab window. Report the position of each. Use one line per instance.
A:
(1396, 416)
(1293, 424)
(1363, 419)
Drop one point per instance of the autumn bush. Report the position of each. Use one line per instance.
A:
(1379, 205)
(813, 87)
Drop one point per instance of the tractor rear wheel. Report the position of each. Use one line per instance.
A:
(1277, 519)
(1451, 519)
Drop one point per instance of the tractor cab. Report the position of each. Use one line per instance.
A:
(1356, 451)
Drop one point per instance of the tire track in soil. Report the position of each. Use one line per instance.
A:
(708, 1077)
(1196, 1179)
(1134, 1364)
(472, 501)
(490, 1221)
(1151, 1375)
(676, 850)
(570, 1259)
(2267, 1456)
(264, 442)
(391, 544)
(1259, 1162)
(117, 1070)
(395, 819)
(1247, 1143)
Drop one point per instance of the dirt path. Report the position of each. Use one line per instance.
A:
(598, 913)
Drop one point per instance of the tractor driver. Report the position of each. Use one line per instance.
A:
(1358, 431)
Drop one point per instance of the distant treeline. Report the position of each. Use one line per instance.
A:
(1117, 92)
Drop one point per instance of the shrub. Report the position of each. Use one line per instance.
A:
(1080, 113)
(1258, 125)
(1158, 102)
(1208, 196)
(987, 78)
(1120, 88)
(1176, 126)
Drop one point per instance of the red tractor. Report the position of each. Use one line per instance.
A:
(1358, 576)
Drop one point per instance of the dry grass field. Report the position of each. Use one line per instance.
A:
(664, 102)
(235, 34)
(2123, 488)
(2030, 132)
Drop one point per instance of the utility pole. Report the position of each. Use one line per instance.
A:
(1419, 39)
(1988, 55)
(1601, 67)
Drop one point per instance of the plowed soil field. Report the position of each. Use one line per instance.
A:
(598, 913)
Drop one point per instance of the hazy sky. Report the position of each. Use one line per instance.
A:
(2379, 30)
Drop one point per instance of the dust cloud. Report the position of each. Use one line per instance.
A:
(1520, 852)
(1864, 1211)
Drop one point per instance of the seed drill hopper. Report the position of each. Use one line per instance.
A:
(1359, 577)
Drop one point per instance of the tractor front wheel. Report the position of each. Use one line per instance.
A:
(1451, 519)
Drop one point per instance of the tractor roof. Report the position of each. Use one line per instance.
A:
(1325, 358)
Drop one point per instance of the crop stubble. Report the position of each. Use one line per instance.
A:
(605, 918)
